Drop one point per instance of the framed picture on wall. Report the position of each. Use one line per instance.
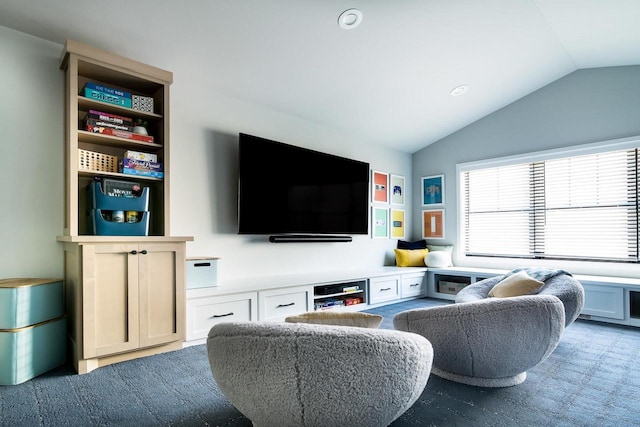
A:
(396, 188)
(397, 223)
(433, 224)
(433, 190)
(379, 223)
(380, 187)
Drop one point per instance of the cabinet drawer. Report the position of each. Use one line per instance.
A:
(603, 301)
(276, 304)
(203, 313)
(383, 289)
(413, 285)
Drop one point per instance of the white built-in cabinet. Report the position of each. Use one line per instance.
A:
(607, 299)
(274, 299)
(384, 289)
(274, 305)
(204, 311)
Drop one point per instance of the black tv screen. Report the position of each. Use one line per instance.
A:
(284, 189)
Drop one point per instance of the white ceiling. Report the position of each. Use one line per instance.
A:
(387, 81)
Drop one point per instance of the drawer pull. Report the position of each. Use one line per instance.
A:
(202, 264)
(385, 289)
(285, 305)
(414, 284)
(143, 252)
(221, 315)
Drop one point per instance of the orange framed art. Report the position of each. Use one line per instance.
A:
(433, 224)
(380, 187)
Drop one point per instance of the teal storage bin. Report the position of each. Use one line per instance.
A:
(98, 200)
(31, 351)
(102, 227)
(25, 302)
(33, 328)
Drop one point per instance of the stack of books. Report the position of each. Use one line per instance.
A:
(111, 124)
(328, 304)
(141, 164)
(349, 289)
(96, 118)
(107, 94)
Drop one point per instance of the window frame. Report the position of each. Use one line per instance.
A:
(627, 143)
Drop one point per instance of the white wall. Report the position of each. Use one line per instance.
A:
(586, 106)
(31, 163)
(204, 155)
(204, 129)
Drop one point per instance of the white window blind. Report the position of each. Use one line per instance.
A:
(579, 207)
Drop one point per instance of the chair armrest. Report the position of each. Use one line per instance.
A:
(493, 336)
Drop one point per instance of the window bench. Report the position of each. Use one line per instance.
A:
(607, 299)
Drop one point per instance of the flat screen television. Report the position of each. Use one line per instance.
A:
(284, 189)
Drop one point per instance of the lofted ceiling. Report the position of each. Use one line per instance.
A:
(387, 82)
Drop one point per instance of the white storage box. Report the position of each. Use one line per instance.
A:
(202, 272)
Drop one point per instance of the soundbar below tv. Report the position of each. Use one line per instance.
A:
(289, 190)
(309, 238)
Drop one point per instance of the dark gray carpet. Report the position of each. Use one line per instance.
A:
(592, 379)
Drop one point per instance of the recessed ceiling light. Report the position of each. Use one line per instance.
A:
(349, 19)
(459, 90)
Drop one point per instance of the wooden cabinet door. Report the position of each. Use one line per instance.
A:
(109, 299)
(162, 293)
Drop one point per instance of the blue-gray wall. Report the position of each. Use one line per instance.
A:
(586, 106)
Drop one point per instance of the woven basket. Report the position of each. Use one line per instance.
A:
(99, 162)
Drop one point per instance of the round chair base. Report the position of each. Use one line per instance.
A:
(281, 374)
(480, 382)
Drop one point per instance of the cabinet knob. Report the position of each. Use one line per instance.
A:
(143, 252)
(134, 252)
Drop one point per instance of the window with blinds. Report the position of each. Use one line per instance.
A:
(579, 207)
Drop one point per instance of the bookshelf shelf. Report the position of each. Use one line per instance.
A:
(114, 141)
(91, 174)
(85, 103)
(339, 295)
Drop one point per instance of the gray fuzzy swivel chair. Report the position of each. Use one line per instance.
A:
(297, 374)
(565, 287)
(490, 342)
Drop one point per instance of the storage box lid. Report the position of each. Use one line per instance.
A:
(16, 283)
(26, 302)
